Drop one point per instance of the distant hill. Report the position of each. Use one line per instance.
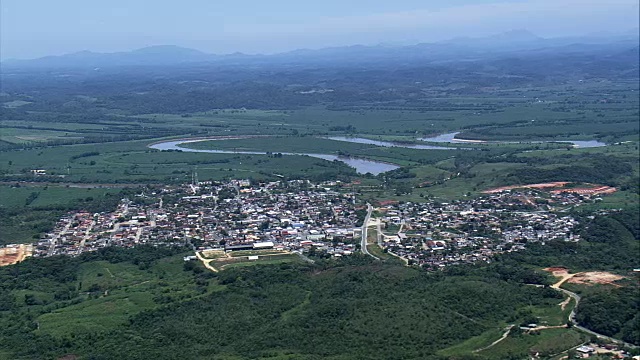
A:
(510, 38)
(455, 49)
(153, 55)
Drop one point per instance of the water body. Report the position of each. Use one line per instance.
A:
(451, 138)
(358, 140)
(362, 166)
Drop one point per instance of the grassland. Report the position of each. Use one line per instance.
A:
(546, 342)
(373, 248)
(262, 260)
(48, 195)
(133, 162)
(297, 131)
(508, 114)
(472, 344)
(117, 291)
(24, 136)
(223, 261)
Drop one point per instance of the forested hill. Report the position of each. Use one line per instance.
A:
(144, 304)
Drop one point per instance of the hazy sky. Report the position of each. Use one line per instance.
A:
(34, 28)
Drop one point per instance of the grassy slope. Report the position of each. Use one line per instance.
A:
(123, 290)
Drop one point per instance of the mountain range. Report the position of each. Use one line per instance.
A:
(465, 48)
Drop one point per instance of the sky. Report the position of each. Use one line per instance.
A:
(36, 28)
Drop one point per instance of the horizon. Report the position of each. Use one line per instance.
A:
(71, 26)
(445, 41)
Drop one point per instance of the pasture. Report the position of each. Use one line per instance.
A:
(113, 292)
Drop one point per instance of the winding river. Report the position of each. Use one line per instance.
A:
(358, 140)
(451, 138)
(362, 166)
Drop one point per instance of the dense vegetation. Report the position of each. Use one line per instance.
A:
(353, 309)
(612, 312)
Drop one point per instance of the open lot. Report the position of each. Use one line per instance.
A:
(15, 253)
(221, 261)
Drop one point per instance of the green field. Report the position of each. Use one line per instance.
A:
(547, 342)
(374, 249)
(117, 291)
(470, 345)
(262, 260)
(22, 136)
(48, 195)
(430, 173)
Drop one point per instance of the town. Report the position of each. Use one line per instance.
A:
(325, 219)
(286, 216)
(434, 235)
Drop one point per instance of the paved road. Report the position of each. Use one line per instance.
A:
(363, 245)
(54, 240)
(572, 315)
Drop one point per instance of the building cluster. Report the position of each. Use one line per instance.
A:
(236, 215)
(301, 216)
(435, 235)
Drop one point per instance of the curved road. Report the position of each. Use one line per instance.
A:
(572, 315)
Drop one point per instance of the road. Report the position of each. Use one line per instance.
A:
(206, 262)
(363, 244)
(572, 315)
(54, 240)
(86, 236)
